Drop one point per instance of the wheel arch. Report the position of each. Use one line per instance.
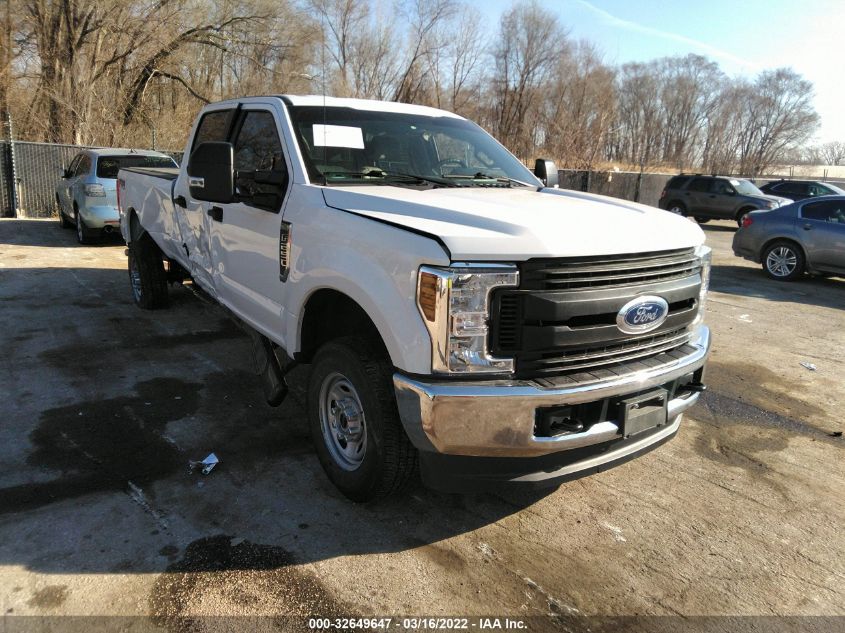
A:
(782, 238)
(328, 314)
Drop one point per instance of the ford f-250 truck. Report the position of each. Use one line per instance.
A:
(457, 312)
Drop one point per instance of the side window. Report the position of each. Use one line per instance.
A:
(825, 211)
(721, 187)
(819, 190)
(700, 184)
(213, 127)
(84, 166)
(71, 170)
(261, 172)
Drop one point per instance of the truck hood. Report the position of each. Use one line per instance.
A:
(516, 224)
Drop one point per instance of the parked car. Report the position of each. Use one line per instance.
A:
(806, 236)
(85, 196)
(708, 198)
(455, 311)
(801, 189)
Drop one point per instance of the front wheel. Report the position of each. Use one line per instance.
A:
(354, 421)
(147, 277)
(63, 221)
(783, 261)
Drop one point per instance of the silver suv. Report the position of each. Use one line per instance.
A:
(86, 195)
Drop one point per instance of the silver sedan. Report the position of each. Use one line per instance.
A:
(806, 236)
(86, 195)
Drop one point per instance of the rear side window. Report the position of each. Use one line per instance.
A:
(820, 190)
(108, 166)
(676, 182)
(700, 184)
(826, 211)
(214, 126)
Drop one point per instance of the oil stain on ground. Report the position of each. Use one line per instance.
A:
(219, 579)
(103, 444)
(138, 337)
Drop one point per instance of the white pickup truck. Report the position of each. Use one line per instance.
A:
(460, 314)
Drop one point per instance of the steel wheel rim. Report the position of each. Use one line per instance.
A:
(135, 279)
(342, 421)
(781, 261)
(676, 210)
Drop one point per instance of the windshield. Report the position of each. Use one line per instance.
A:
(347, 146)
(746, 188)
(108, 166)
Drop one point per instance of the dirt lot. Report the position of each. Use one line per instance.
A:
(741, 514)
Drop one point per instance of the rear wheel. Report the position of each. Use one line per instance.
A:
(83, 234)
(783, 261)
(147, 277)
(354, 421)
(677, 207)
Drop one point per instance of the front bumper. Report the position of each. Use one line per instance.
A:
(497, 419)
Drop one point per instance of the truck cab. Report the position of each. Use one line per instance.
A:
(459, 317)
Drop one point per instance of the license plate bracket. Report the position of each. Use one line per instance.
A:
(644, 412)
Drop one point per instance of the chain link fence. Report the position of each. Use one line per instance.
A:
(29, 173)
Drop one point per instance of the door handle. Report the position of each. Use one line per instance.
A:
(180, 201)
(808, 227)
(216, 213)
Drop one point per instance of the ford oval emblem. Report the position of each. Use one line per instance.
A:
(642, 314)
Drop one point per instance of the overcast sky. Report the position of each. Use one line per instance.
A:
(743, 36)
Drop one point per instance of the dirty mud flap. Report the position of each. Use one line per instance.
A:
(644, 413)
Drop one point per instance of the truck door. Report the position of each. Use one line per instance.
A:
(245, 234)
(192, 215)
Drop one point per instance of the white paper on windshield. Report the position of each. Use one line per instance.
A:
(338, 136)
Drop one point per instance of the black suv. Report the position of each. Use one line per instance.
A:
(801, 189)
(715, 198)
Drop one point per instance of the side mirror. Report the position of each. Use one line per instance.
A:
(211, 172)
(546, 171)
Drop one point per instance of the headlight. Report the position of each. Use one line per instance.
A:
(95, 191)
(705, 256)
(455, 305)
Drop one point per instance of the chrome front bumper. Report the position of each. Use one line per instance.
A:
(497, 419)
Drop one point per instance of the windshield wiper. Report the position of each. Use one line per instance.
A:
(483, 176)
(380, 176)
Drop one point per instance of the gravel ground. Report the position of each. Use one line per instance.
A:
(740, 515)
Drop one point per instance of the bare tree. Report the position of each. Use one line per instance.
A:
(831, 153)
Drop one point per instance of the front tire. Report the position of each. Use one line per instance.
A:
(147, 277)
(784, 261)
(354, 421)
(63, 221)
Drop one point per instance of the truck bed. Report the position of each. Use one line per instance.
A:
(166, 173)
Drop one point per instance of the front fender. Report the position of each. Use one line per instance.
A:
(374, 264)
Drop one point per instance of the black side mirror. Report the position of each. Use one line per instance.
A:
(546, 171)
(211, 172)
